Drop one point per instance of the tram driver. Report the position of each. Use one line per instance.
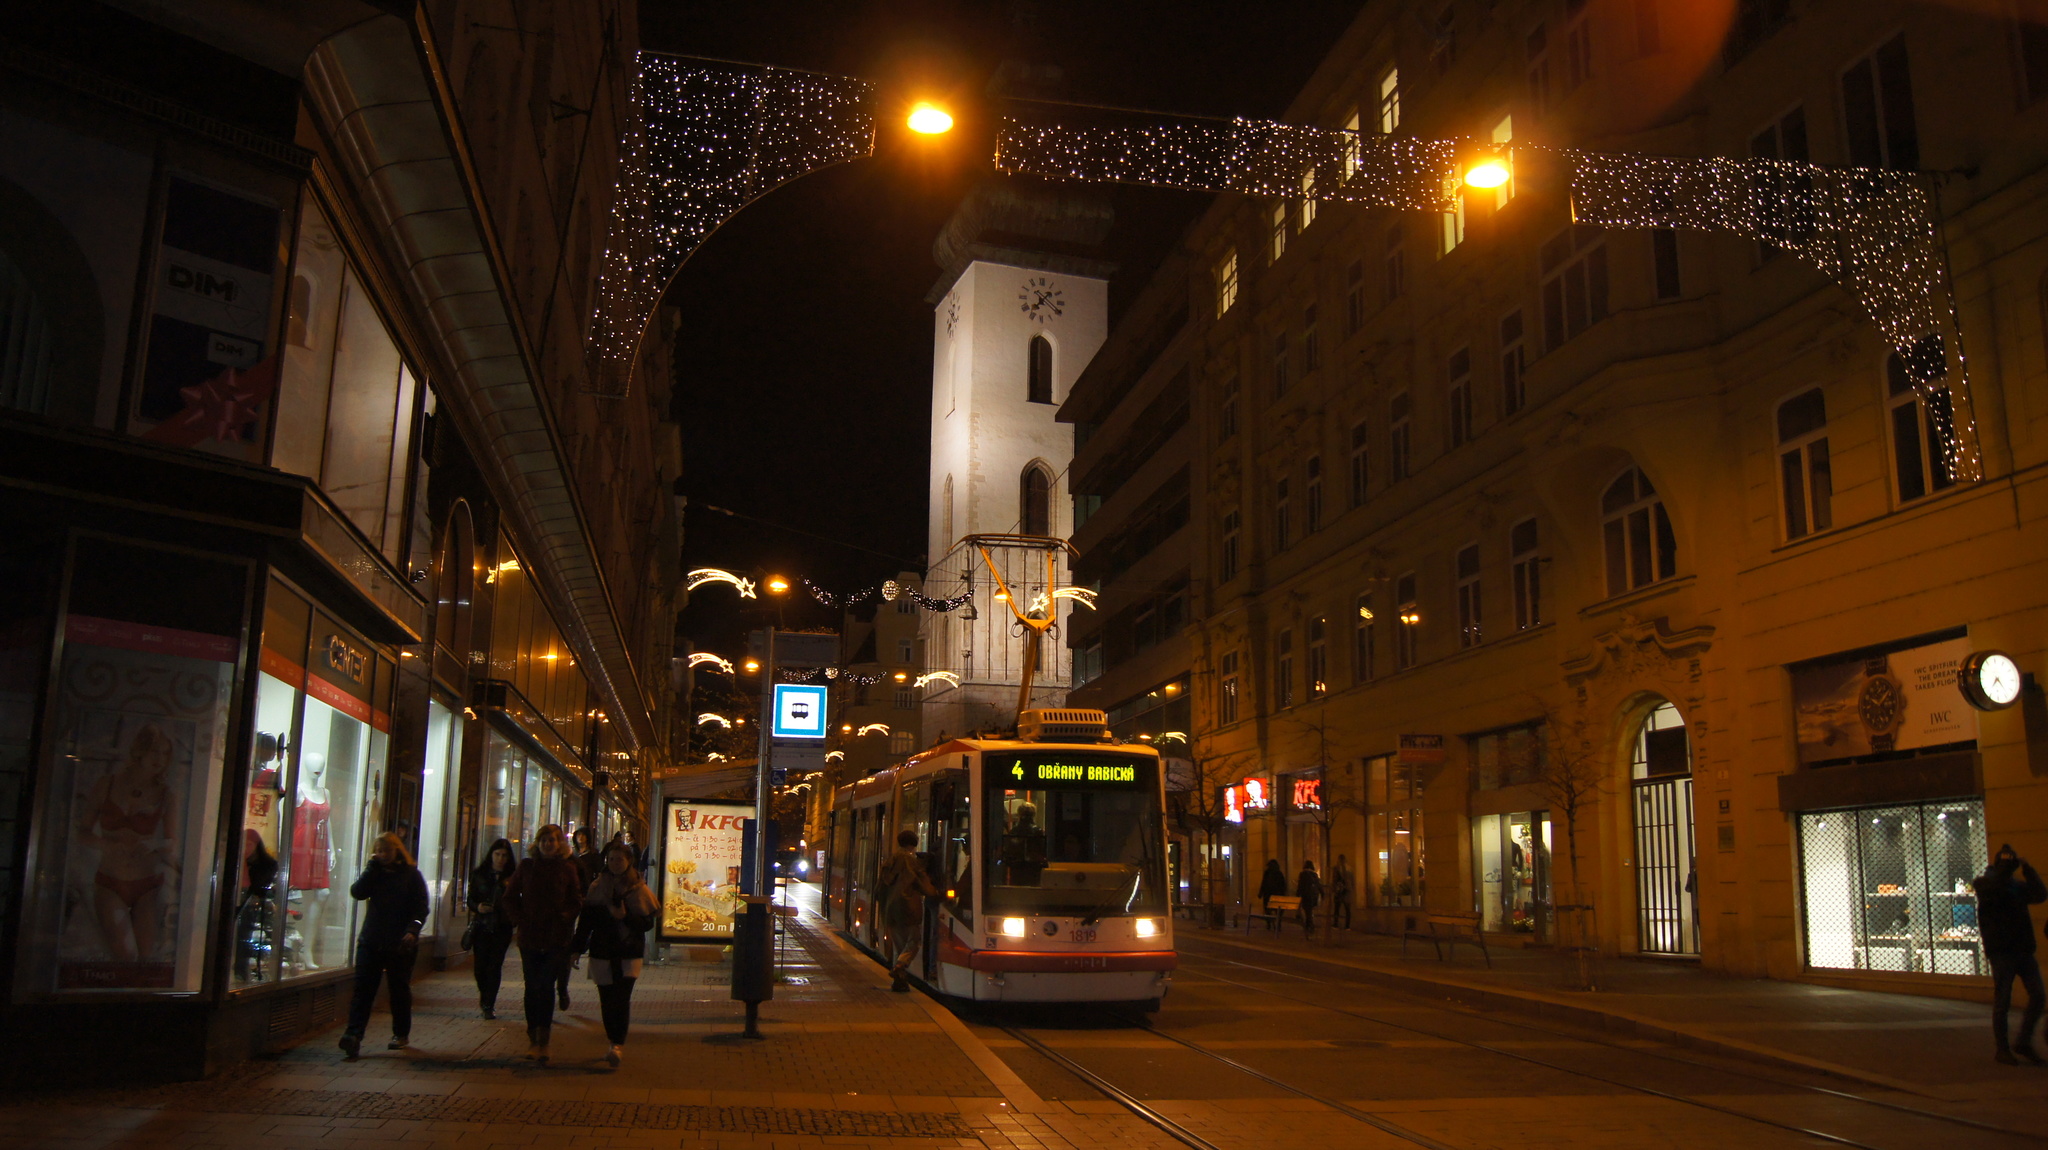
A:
(1024, 847)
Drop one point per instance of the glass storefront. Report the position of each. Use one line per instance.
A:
(1511, 866)
(314, 794)
(441, 856)
(1888, 888)
(523, 793)
(1394, 798)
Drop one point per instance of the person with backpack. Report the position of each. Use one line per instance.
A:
(490, 925)
(618, 911)
(2006, 928)
(543, 899)
(905, 885)
(1308, 887)
(389, 942)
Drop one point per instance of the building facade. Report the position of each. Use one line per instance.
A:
(1536, 567)
(315, 532)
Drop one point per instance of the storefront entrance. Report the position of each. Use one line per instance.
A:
(1667, 891)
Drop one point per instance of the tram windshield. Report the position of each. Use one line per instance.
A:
(1074, 833)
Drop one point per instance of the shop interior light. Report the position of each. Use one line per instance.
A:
(1013, 928)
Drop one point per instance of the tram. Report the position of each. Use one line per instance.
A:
(1050, 853)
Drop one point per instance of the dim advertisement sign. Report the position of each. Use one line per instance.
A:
(700, 869)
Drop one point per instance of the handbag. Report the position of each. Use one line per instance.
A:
(469, 933)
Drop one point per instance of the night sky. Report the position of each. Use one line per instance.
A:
(805, 352)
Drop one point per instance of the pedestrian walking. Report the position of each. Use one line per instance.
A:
(618, 911)
(642, 859)
(1340, 893)
(1308, 887)
(583, 854)
(2006, 928)
(490, 926)
(389, 941)
(543, 900)
(905, 885)
(1272, 884)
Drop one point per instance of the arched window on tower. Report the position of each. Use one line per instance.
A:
(1041, 370)
(1037, 501)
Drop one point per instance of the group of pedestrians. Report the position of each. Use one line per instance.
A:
(565, 902)
(1310, 888)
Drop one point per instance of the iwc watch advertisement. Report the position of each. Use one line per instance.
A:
(1874, 704)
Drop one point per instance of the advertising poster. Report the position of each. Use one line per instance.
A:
(1878, 703)
(701, 845)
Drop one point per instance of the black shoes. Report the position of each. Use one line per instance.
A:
(2026, 1050)
(490, 1015)
(563, 998)
(352, 1045)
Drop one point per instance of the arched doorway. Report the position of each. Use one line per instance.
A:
(1660, 789)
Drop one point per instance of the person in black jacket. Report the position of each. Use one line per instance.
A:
(1308, 887)
(1273, 882)
(490, 927)
(618, 911)
(389, 940)
(2004, 893)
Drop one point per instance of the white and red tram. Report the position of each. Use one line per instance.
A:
(1050, 850)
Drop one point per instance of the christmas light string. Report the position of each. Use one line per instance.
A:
(889, 591)
(1872, 232)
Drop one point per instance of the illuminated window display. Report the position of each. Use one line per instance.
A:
(1394, 795)
(1888, 888)
(1511, 864)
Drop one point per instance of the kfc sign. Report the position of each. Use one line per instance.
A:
(1308, 794)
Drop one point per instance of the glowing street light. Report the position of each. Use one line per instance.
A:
(776, 584)
(1489, 167)
(930, 120)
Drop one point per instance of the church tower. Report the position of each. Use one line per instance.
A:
(1020, 308)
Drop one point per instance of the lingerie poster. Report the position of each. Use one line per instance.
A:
(141, 723)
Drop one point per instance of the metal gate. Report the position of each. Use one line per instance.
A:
(1666, 922)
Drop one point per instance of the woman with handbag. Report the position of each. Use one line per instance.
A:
(390, 939)
(489, 936)
(618, 911)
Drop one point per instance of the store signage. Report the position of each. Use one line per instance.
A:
(701, 851)
(1308, 793)
(346, 658)
(1068, 772)
(1257, 795)
(1871, 704)
(1421, 750)
(1233, 804)
(799, 711)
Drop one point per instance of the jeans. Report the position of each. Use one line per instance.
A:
(1308, 918)
(540, 968)
(615, 1004)
(2005, 968)
(488, 959)
(1340, 907)
(393, 966)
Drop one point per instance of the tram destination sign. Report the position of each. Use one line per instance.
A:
(1070, 771)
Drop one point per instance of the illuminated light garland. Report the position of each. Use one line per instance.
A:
(1872, 232)
(835, 756)
(936, 676)
(889, 591)
(715, 757)
(1081, 595)
(704, 575)
(873, 729)
(707, 659)
(836, 674)
(705, 139)
(714, 717)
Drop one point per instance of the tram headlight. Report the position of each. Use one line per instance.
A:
(1147, 927)
(1013, 928)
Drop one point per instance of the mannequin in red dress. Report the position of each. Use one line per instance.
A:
(312, 869)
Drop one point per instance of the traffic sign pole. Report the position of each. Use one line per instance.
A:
(758, 881)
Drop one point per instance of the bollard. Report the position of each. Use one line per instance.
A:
(753, 959)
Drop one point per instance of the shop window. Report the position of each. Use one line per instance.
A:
(1362, 640)
(1312, 497)
(1318, 657)
(1806, 482)
(1283, 670)
(1877, 110)
(1513, 392)
(440, 844)
(1511, 862)
(1470, 615)
(1636, 533)
(1888, 888)
(1574, 267)
(1526, 571)
(1226, 690)
(1394, 821)
(1038, 388)
(119, 893)
(1922, 429)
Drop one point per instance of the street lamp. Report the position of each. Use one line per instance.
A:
(1489, 166)
(930, 120)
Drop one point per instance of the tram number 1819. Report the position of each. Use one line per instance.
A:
(1082, 934)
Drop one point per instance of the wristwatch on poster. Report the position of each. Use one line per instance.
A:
(1881, 705)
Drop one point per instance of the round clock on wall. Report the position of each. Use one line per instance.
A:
(1989, 680)
(1041, 300)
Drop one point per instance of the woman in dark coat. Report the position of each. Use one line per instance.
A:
(490, 929)
(618, 911)
(389, 941)
(1308, 887)
(583, 852)
(1273, 882)
(543, 899)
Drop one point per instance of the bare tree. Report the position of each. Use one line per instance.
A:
(1200, 813)
(1336, 793)
(1573, 780)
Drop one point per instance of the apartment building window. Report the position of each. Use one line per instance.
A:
(1311, 342)
(1805, 479)
(1443, 43)
(1354, 150)
(1040, 382)
(1502, 135)
(1280, 364)
(1225, 277)
(1578, 45)
(1226, 690)
(2031, 40)
(1536, 65)
(1276, 242)
(1459, 396)
(1785, 139)
(1923, 432)
(1452, 226)
(1390, 101)
(1877, 110)
(1664, 262)
(1754, 22)
(1397, 438)
(1525, 571)
(1636, 534)
(1513, 395)
(1574, 264)
(1226, 410)
(905, 606)
(906, 649)
(1360, 463)
(1407, 622)
(1354, 297)
(1226, 558)
(1283, 526)
(1361, 640)
(1308, 198)
(906, 699)
(1283, 670)
(1397, 264)
(902, 742)
(1649, 28)
(1312, 497)
(1318, 658)
(1470, 612)
(1088, 664)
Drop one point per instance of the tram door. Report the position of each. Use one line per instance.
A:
(1667, 890)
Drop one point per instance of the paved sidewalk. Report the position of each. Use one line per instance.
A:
(1899, 1041)
(845, 1064)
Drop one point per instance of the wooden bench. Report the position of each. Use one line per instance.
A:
(1282, 905)
(1444, 931)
